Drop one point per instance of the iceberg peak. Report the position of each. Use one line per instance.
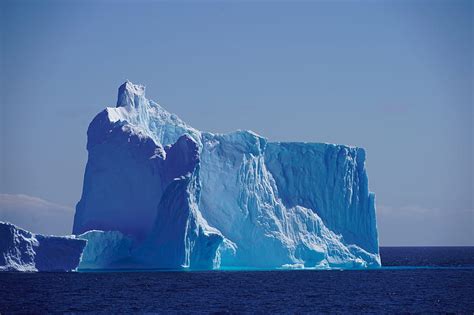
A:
(130, 94)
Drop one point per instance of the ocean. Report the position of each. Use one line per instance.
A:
(413, 279)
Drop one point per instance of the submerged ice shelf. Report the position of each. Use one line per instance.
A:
(182, 198)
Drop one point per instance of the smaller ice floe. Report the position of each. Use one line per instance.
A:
(21, 250)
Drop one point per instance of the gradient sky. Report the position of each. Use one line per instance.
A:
(394, 77)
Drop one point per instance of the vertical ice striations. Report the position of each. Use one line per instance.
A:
(331, 180)
(250, 213)
(238, 199)
(201, 200)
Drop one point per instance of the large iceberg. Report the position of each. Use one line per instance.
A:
(169, 196)
(21, 250)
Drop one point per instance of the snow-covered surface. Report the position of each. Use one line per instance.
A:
(21, 250)
(191, 199)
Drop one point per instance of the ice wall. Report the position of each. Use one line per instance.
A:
(240, 198)
(331, 180)
(21, 250)
(106, 249)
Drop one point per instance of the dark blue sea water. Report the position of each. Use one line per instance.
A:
(414, 279)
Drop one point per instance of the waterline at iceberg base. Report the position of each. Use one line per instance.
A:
(160, 194)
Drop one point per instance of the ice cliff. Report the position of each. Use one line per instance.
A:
(21, 250)
(169, 196)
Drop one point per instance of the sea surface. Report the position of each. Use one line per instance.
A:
(413, 279)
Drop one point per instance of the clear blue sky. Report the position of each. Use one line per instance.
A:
(394, 77)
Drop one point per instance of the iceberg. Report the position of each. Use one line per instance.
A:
(21, 250)
(165, 195)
